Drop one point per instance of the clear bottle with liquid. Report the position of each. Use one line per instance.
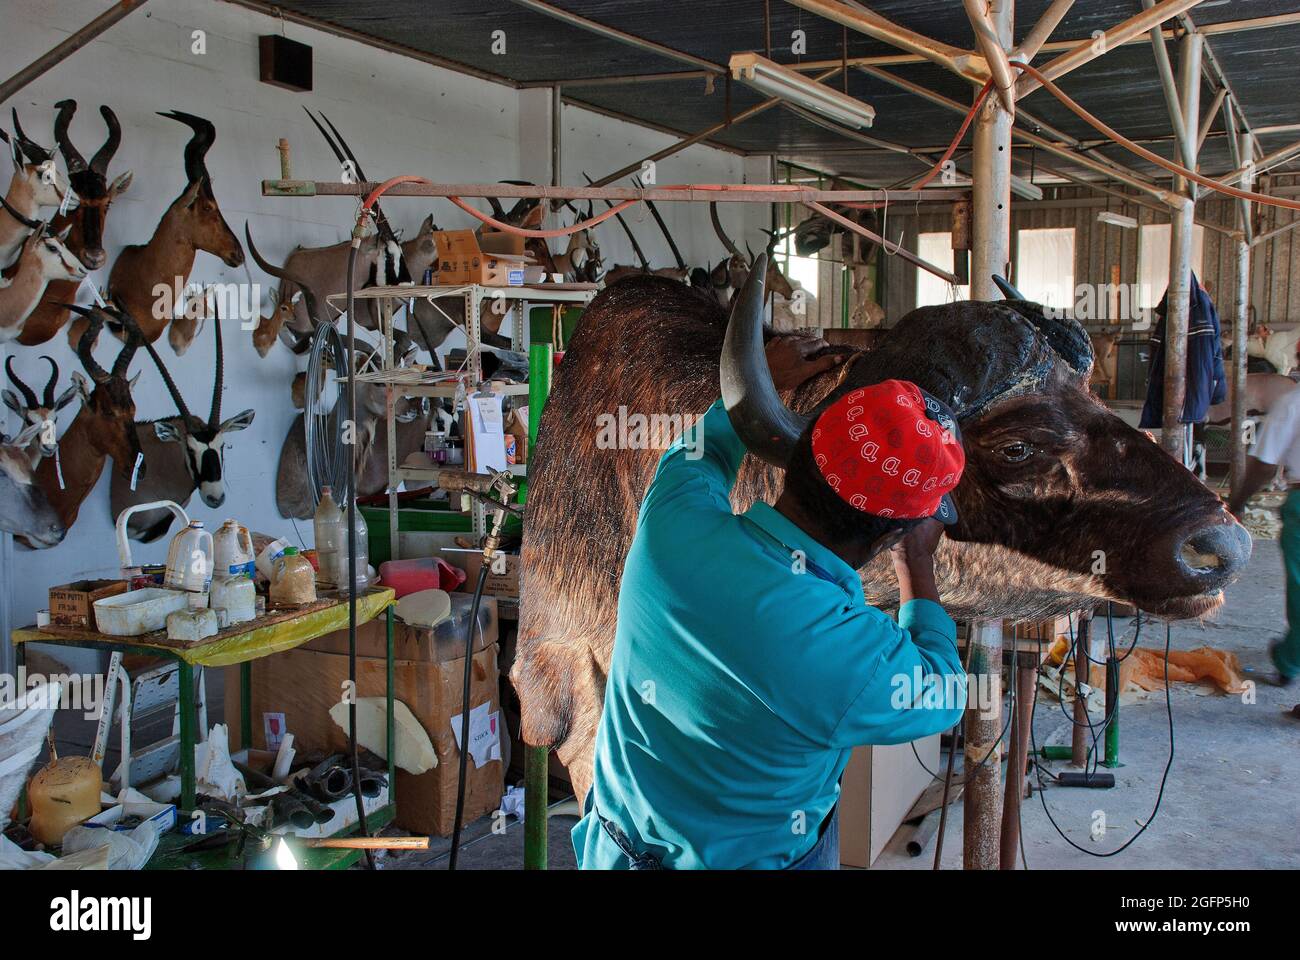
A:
(331, 540)
(363, 551)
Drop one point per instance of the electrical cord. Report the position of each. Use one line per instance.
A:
(463, 769)
(1169, 710)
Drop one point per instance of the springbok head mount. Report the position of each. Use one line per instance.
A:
(203, 440)
(106, 398)
(208, 230)
(35, 164)
(43, 413)
(90, 180)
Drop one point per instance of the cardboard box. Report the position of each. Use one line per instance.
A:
(72, 604)
(503, 582)
(493, 260)
(880, 785)
(304, 683)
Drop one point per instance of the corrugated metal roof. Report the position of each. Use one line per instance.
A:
(1121, 87)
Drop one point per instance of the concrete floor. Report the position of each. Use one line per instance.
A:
(1230, 800)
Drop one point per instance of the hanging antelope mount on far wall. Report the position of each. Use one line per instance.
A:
(84, 224)
(41, 413)
(191, 224)
(37, 182)
(184, 453)
(104, 426)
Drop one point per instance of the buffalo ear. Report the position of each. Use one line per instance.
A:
(168, 431)
(238, 422)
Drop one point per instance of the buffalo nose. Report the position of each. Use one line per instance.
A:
(1212, 555)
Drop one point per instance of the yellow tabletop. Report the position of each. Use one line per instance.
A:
(236, 644)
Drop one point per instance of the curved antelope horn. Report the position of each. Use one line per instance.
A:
(183, 410)
(767, 427)
(749, 250)
(28, 397)
(53, 381)
(197, 148)
(96, 317)
(717, 228)
(74, 161)
(27, 222)
(314, 302)
(498, 211)
(133, 340)
(1008, 291)
(34, 152)
(104, 155)
(347, 149)
(214, 417)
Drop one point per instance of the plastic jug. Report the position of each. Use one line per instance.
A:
(236, 595)
(294, 582)
(189, 560)
(331, 539)
(232, 550)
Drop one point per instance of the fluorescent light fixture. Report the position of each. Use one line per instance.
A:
(775, 80)
(1117, 220)
(1024, 189)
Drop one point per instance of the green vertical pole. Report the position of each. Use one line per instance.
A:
(1112, 711)
(389, 696)
(185, 678)
(536, 759)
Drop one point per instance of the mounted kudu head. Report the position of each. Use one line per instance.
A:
(42, 414)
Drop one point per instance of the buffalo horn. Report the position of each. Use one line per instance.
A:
(1008, 291)
(767, 427)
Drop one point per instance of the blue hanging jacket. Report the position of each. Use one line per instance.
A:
(1206, 382)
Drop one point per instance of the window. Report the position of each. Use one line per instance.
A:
(1153, 261)
(936, 248)
(1045, 266)
(801, 271)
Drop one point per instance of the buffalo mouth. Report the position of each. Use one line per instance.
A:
(1185, 608)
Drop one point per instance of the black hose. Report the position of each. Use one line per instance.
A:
(464, 716)
(352, 559)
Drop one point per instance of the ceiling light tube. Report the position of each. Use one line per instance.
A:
(774, 80)
(1117, 219)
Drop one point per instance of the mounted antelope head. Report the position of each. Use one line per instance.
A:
(42, 414)
(104, 426)
(192, 223)
(184, 453)
(86, 234)
(43, 259)
(730, 274)
(37, 182)
(24, 509)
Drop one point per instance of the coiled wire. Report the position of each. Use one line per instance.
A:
(328, 460)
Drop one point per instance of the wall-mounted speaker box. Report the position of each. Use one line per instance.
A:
(284, 62)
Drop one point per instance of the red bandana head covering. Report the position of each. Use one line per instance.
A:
(891, 450)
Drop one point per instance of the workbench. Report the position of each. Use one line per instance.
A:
(240, 645)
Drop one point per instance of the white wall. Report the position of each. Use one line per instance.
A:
(400, 116)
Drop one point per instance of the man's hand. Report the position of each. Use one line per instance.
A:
(913, 558)
(788, 359)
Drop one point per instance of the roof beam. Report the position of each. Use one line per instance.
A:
(612, 33)
(1041, 30)
(1090, 49)
(995, 55)
(68, 46)
(857, 17)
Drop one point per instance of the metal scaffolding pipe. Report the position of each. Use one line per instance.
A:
(1170, 87)
(74, 42)
(1178, 298)
(982, 798)
(1090, 49)
(959, 61)
(1041, 30)
(1240, 331)
(995, 55)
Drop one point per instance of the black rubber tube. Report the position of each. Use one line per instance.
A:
(464, 716)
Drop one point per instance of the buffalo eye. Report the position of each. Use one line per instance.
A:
(1016, 451)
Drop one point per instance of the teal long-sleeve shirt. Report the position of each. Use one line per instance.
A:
(746, 666)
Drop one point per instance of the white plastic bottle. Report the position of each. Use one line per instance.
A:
(363, 551)
(331, 540)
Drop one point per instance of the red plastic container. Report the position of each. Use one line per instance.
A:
(420, 573)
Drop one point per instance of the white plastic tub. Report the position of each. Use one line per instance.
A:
(138, 611)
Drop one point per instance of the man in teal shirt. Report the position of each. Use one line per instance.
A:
(746, 663)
